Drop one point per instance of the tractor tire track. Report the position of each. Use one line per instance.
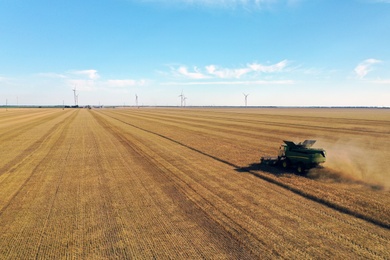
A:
(234, 122)
(296, 214)
(323, 201)
(134, 148)
(248, 193)
(22, 192)
(26, 123)
(59, 127)
(11, 165)
(57, 185)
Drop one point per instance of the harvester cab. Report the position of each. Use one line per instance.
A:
(282, 151)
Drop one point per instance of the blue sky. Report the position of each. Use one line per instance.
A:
(280, 52)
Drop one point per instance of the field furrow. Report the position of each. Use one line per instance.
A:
(25, 210)
(351, 201)
(182, 236)
(187, 183)
(190, 170)
(20, 169)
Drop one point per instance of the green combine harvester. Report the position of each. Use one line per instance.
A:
(298, 156)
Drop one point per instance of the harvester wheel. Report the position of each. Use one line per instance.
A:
(285, 164)
(301, 168)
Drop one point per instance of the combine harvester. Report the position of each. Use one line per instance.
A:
(299, 156)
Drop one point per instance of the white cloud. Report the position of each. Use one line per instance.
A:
(381, 81)
(51, 75)
(364, 67)
(89, 85)
(226, 73)
(82, 84)
(247, 82)
(183, 71)
(214, 71)
(3, 78)
(88, 80)
(125, 83)
(91, 74)
(270, 68)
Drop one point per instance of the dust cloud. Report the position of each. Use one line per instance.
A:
(357, 161)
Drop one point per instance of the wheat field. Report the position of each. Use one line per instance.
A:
(171, 183)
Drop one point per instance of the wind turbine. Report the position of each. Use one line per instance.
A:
(136, 100)
(246, 98)
(181, 98)
(184, 100)
(74, 96)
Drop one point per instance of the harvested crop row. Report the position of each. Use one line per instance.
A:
(91, 197)
(352, 197)
(27, 193)
(190, 169)
(183, 226)
(21, 163)
(95, 187)
(21, 139)
(18, 117)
